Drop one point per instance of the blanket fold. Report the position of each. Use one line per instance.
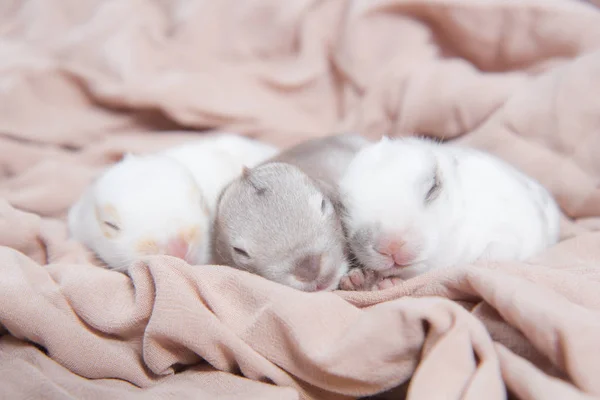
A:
(84, 82)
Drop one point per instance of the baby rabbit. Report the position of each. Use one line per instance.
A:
(161, 203)
(414, 205)
(281, 219)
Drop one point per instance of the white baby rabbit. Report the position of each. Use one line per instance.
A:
(161, 203)
(414, 205)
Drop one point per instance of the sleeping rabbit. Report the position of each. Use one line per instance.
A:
(413, 205)
(281, 219)
(161, 203)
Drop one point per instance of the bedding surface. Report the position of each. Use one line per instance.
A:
(82, 82)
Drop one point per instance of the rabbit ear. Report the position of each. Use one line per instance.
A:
(245, 172)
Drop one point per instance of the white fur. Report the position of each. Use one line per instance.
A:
(486, 209)
(216, 160)
(162, 195)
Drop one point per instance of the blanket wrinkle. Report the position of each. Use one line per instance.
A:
(83, 83)
(561, 339)
(538, 385)
(21, 360)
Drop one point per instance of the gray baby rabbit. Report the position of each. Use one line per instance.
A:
(281, 219)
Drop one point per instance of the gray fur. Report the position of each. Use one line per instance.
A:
(274, 213)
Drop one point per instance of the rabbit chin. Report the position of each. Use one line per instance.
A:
(385, 264)
(327, 281)
(407, 272)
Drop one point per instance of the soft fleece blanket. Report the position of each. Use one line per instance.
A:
(83, 81)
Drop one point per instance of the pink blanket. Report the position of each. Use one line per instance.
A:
(81, 82)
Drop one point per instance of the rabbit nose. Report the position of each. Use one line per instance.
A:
(395, 248)
(308, 268)
(177, 247)
(389, 247)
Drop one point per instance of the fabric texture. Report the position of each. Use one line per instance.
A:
(82, 82)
